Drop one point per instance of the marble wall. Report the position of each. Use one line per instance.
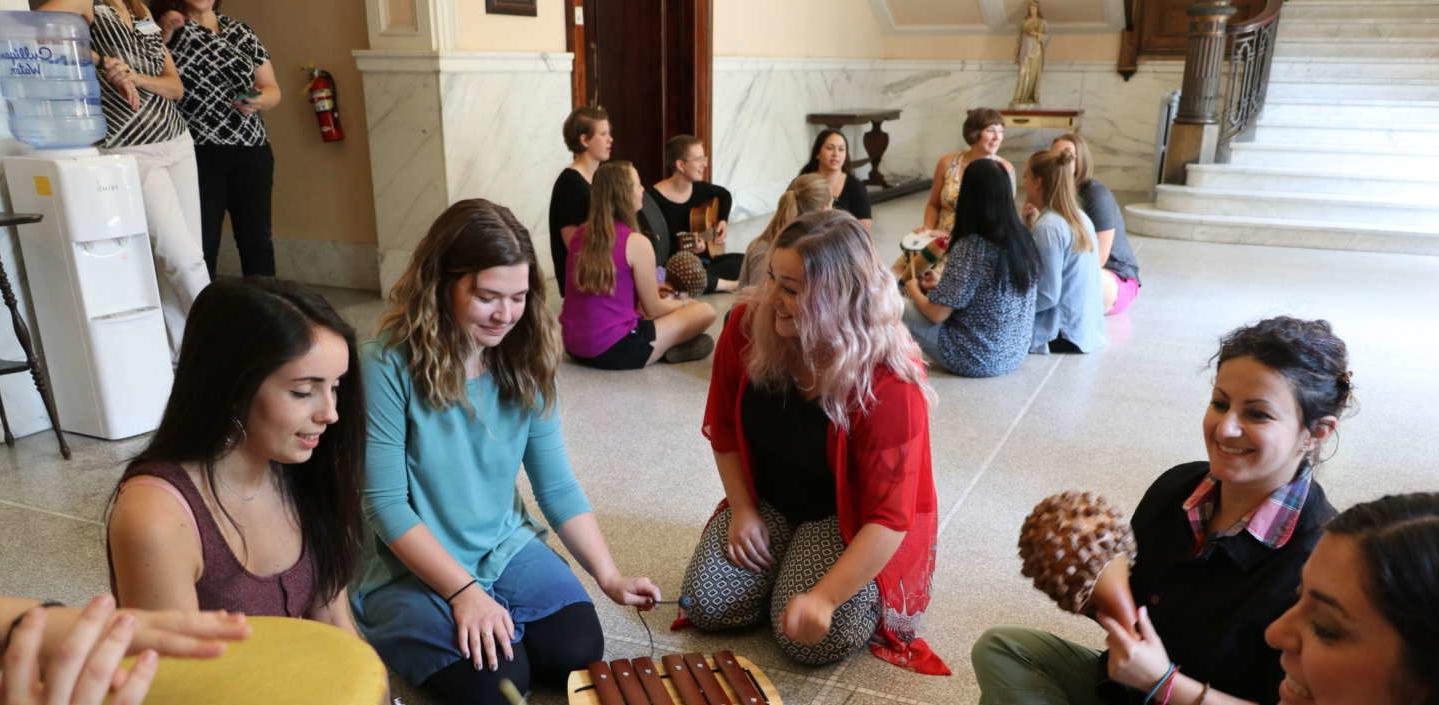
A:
(761, 138)
(446, 126)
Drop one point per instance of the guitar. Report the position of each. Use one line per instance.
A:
(703, 219)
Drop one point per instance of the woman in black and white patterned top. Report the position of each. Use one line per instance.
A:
(228, 80)
(139, 92)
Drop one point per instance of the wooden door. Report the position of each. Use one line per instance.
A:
(648, 63)
(1163, 25)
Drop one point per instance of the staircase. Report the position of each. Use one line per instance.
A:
(1346, 150)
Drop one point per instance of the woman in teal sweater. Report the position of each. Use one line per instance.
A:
(461, 590)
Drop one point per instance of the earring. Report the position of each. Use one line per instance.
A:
(236, 437)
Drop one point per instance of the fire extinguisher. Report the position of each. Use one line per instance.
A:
(326, 104)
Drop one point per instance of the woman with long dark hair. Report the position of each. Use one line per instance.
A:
(247, 498)
(460, 590)
(979, 320)
(829, 157)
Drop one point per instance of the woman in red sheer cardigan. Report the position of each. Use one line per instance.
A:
(818, 415)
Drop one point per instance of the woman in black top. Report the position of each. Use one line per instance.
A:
(1221, 543)
(686, 189)
(830, 157)
(229, 81)
(587, 134)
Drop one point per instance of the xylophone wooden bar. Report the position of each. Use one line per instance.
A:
(739, 682)
(684, 680)
(709, 685)
(604, 682)
(649, 675)
(629, 682)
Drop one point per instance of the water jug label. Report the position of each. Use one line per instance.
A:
(42, 186)
(25, 61)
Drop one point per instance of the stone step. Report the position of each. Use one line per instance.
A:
(1348, 9)
(1410, 28)
(1146, 219)
(1356, 89)
(1303, 47)
(1320, 69)
(1333, 208)
(1373, 134)
(1335, 157)
(1235, 177)
(1350, 112)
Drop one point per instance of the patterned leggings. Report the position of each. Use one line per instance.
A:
(728, 596)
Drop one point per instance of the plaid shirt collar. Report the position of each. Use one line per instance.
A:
(1272, 523)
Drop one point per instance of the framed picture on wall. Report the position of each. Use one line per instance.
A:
(511, 7)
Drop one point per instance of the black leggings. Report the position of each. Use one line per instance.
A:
(567, 640)
(724, 266)
(239, 180)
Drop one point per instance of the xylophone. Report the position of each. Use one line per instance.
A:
(679, 679)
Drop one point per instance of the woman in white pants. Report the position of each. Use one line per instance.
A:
(139, 91)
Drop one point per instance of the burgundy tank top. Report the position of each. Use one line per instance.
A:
(224, 583)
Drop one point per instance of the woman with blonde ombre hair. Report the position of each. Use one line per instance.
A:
(806, 194)
(612, 281)
(1069, 306)
(1120, 275)
(460, 590)
(818, 416)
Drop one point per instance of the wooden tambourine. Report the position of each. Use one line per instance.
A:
(678, 679)
(284, 662)
(920, 252)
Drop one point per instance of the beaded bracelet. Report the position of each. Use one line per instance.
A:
(1160, 683)
(16, 622)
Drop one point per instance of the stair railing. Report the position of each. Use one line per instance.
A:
(1251, 54)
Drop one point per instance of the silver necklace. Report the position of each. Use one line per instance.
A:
(236, 493)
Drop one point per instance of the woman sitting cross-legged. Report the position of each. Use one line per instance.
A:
(247, 497)
(1120, 275)
(979, 320)
(612, 280)
(1069, 311)
(682, 191)
(818, 415)
(460, 591)
(1220, 543)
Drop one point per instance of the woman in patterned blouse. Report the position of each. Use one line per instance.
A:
(229, 81)
(139, 93)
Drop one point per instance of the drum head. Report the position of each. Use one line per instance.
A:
(284, 662)
(914, 242)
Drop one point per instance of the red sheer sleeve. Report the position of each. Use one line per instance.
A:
(889, 448)
(726, 375)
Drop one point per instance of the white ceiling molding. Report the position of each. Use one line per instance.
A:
(997, 22)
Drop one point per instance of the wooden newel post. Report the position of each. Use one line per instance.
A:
(1195, 135)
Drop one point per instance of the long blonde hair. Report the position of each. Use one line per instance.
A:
(806, 194)
(849, 319)
(610, 195)
(1055, 172)
(469, 237)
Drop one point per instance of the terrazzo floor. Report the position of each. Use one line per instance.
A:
(1109, 422)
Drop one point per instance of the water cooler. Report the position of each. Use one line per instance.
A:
(92, 283)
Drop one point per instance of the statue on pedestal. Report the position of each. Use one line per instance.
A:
(1033, 38)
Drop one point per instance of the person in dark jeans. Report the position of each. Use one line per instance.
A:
(229, 81)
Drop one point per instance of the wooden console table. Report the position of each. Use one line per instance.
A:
(875, 141)
(1067, 120)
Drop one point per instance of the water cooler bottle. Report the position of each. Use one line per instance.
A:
(92, 283)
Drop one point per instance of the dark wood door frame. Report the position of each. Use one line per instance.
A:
(685, 74)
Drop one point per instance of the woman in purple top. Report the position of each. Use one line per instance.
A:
(247, 498)
(613, 317)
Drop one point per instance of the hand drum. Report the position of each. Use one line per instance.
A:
(1068, 542)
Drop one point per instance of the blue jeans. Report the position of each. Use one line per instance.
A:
(925, 332)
